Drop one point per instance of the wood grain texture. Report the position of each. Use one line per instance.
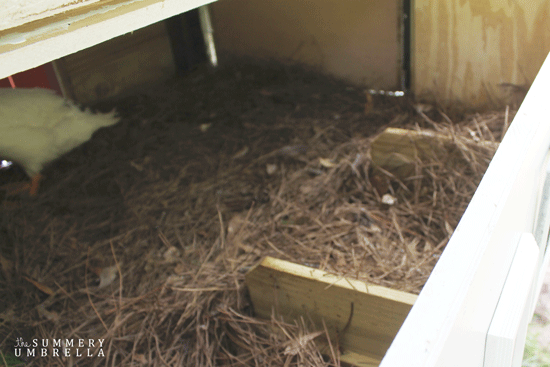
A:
(118, 65)
(32, 44)
(362, 318)
(18, 12)
(354, 40)
(463, 50)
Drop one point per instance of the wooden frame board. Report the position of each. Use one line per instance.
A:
(29, 45)
(362, 319)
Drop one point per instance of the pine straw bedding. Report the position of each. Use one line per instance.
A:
(175, 204)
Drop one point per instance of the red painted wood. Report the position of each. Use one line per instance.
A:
(42, 76)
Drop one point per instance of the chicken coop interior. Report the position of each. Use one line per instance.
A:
(242, 182)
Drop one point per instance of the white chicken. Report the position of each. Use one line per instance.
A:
(38, 126)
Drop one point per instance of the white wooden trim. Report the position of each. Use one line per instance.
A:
(450, 320)
(508, 330)
(36, 43)
(18, 12)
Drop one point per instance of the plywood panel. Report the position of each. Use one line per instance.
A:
(32, 44)
(356, 40)
(361, 318)
(464, 49)
(17, 12)
(119, 65)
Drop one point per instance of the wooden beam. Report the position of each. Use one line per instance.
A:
(362, 319)
(398, 150)
(19, 12)
(29, 45)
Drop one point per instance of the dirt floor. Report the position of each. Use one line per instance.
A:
(142, 236)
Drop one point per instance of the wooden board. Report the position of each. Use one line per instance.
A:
(374, 313)
(464, 50)
(25, 46)
(18, 12)
(355, 40)
(508, 330)
(398, 150)
(121, 64)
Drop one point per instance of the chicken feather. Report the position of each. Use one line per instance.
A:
(37, 126)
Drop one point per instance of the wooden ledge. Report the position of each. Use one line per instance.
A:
(85, 24)
(362, 319)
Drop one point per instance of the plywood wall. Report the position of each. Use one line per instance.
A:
(463, 50)
(353, 39)
(119, 65)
